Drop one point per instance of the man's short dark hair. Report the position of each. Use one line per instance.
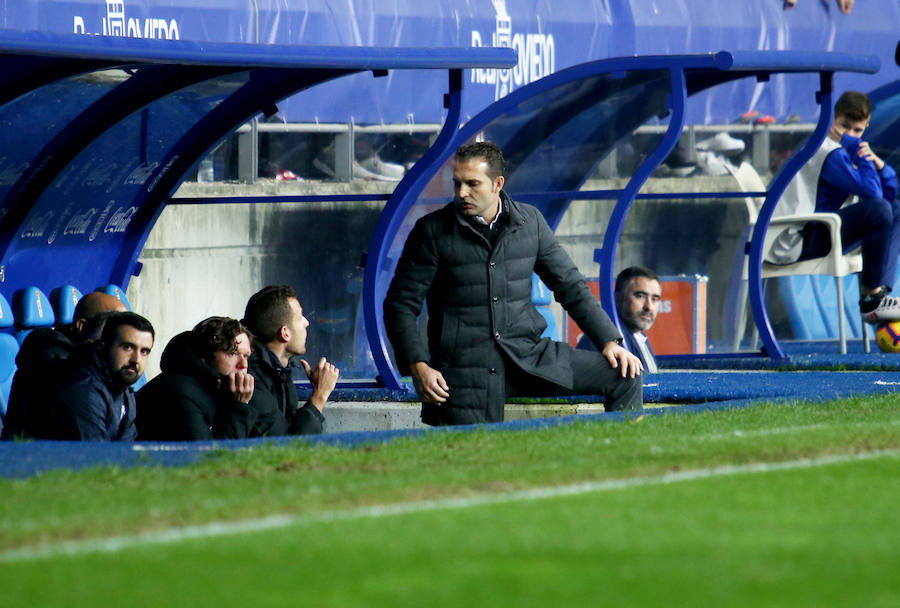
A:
(487, 151)
(854, 105)
(633, 272)
(118, 319)
(268, 310)
(215, 334)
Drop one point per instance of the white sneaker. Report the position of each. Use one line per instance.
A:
(888, 310)
(711, 163)
(722, 142)
(382, 170)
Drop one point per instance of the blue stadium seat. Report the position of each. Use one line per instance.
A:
(115, 290)
(9, 348)
(64, 300)
(31, 309)
(542, 297)
(7, 319)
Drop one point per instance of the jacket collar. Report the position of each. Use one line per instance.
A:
(512, 207)
(508, 206)
(268, 359)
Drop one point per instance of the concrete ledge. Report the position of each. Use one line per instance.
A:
(382, 416)
(345, 416)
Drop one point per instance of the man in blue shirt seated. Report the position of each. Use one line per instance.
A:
(845, 167)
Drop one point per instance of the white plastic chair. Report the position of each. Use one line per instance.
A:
(836, 263)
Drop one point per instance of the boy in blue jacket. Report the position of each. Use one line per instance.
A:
(845, 167)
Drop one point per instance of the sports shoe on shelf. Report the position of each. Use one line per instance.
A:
(681, 169)
(382, 170)
(879, 308)
(322, 165)
(678, 164)
(722, 142)
(747, 117)
(765, 119)
(711, 163)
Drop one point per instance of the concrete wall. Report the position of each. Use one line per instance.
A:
(202, 260)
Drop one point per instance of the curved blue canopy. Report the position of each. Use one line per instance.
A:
(554, 132)
(99, 131)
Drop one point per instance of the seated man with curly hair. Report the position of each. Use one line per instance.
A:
(204, 389)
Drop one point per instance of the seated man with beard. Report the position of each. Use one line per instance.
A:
(204, 389)
(93, 400)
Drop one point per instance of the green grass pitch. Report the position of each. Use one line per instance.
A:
(789, 505)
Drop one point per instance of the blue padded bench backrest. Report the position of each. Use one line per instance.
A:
(31, 308)
(9, 348)
(6, 314)
(64, 300)
(542, 297)
(540, 293)
(118, 292)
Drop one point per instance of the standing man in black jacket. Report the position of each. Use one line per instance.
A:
(275, 318)
(93, 400)
(472, 262)
(204, 389)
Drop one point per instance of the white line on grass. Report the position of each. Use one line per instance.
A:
(215, 529)
(801, 428)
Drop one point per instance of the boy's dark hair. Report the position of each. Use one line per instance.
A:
(854, 105)
(268, 310)
(486, 151)
(632, 272)
(215, 334)
(118, 319)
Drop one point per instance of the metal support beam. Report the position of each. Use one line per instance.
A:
(248, 153)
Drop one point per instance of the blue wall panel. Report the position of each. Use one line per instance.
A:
(549, 36)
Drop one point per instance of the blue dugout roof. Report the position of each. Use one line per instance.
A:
(555, 131)
(99, 131)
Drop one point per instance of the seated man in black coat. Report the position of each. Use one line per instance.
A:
(31, 387)
(93, 400)
(204, 389)
(275, 317)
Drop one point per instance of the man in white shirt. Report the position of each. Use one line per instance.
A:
(638, 294)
